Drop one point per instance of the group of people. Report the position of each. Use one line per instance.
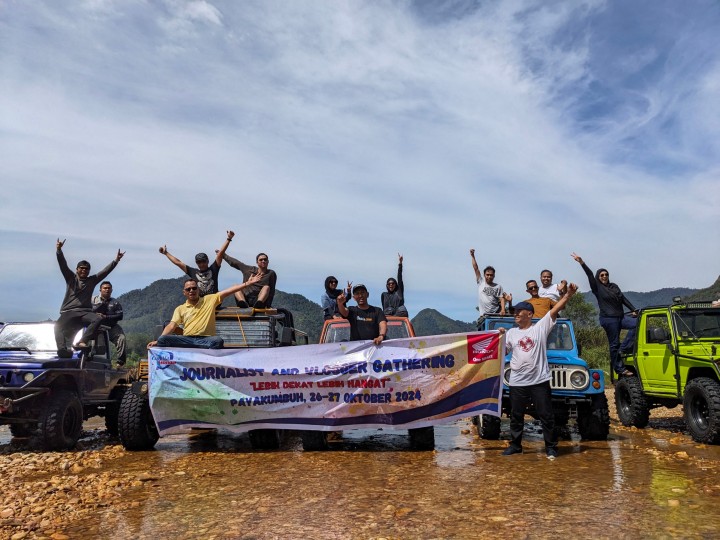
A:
(529, 369)
(80, 309)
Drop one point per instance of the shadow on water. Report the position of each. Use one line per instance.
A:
(639, 483)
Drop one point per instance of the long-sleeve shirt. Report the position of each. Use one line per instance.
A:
(391, 301)
(610, 298)
(111, 308)
(78, 293)
(252, 290)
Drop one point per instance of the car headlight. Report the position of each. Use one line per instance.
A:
(506, 376)
(27, 377)
(579, 379)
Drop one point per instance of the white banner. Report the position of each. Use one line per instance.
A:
(407, 383)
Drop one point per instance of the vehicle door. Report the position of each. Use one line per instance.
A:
(98, 373)
(655, 360)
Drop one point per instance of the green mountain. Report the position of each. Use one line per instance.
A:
(710, 293)
(661, 297)
(430, 322)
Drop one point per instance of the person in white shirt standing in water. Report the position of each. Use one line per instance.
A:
(530, 373)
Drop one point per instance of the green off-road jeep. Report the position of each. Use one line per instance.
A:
(675, 360)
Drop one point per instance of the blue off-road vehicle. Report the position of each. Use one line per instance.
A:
(577, 391)
(42, 394)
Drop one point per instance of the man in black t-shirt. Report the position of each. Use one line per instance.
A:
(366, 321)
(205, 274)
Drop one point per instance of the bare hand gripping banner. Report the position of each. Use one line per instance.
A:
(406, 383)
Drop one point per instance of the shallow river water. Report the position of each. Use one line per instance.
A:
(653, 483)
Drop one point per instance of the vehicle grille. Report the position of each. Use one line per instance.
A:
(561, 377)
(246, 333)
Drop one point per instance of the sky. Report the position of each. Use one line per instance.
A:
(334, 135)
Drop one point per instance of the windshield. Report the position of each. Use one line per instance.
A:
(560, 339)
(698, 323)
(340, 331)
(34, 337)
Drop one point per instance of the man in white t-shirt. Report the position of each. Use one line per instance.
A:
(551, 290)
(490, 295)
(530, 373)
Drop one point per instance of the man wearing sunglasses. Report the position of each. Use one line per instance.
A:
(541, 305)
(197, 318)
(261, 293)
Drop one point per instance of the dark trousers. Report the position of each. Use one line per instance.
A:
(70, 322)
(117, 336)
(520, 399)
(612, 327)
(192, 342)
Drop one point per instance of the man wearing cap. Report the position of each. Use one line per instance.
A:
(530, 373)
(205, 274)
(366, 321)
(197, 318)
(76, 309)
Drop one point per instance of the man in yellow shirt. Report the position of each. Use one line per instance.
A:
(197, 318)
(541, 304)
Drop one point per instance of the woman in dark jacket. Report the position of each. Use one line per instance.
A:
(393, 300)
(612, 317)
(328, 300)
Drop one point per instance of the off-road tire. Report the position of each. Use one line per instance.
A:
(136, 426)
(265, 439)
(112, 410)
(23, 430)
(631, 403)
(594, 419)
(488, 427)
(422, 438)
(314, 441)
(61, 421)
(701, 405)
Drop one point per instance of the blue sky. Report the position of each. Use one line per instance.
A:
(333, 135)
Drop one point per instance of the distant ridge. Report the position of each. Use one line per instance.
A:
(430, 322)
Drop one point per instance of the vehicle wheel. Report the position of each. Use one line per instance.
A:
(594, 419)
(488, 427)
(422, 438)
(265, 439)
(702, 410)
(112, 411)
(632, 407)
(23, 430)
(61, 422)
(314, 441)
(136, 425)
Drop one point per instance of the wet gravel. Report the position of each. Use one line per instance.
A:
(51, 494)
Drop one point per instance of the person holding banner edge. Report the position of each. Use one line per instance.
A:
(366, 321)
(530, 372)
(197, 317)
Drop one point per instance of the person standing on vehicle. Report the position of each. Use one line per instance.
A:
(261, 293)
(490, 295)
(551, 290)
(197, 318)
(393, 299)
(612, 317)
(366, 321)
(205, 274)
(328, 300)
(76, 310)
(541, 305)
(112, 313)
(530, 373)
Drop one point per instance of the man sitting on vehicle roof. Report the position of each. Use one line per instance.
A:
(551, 290)
(76, 310)
(260, 295)
(541, 305)
(197, 318)
(366, 321)
(205, 274)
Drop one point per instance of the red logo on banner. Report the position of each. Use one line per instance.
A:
(483, 347)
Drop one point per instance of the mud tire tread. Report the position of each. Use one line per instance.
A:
(112, 411)
(264, 439)
(62, 420)
(314, 441)
(594, 419)
(631, 403)
(136, 426)
(422, 438)
(708, 390)
(488, 427)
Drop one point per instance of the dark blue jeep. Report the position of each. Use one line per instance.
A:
(43, 394)
(577, 391)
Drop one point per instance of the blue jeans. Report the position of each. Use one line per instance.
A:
(191, 342)
(612, 327)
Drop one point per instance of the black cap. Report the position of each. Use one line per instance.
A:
(201, 257)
